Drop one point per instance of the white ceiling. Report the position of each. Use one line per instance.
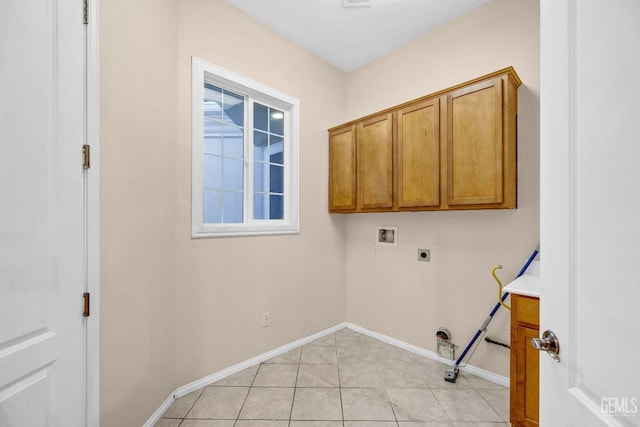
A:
(349, 37)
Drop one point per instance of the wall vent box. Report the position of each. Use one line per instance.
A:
(446, 349)
(387, 235)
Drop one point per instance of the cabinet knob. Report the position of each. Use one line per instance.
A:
(549, 343)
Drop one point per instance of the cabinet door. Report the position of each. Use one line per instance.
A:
(524, 390)
(342, 169)
(525, 405)
(375, 162)
(418, 172)
(475, 144)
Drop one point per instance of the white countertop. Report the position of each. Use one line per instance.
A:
(528, 284)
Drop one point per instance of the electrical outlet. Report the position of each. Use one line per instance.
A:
(424, 255)
(266, 319)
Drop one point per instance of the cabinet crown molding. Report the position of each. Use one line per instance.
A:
(508, 71)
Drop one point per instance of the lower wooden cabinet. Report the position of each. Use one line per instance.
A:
(524, 387)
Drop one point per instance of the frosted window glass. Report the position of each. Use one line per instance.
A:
(260, 177)
(233, 173)
(260, 205)
(213, 145)
(276, 146)
(232, 207)
(233, 146)
(260, 146)
(212, 172)
(212, 207)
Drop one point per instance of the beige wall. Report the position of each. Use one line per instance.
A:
(176, 309)
(226, 284)
(392, 292)
(138, 48)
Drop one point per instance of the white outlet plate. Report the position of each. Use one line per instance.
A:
(266, 319)
(424, 255)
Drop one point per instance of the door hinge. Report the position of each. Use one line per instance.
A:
(87, 304)
(85, 12)
(86, 156)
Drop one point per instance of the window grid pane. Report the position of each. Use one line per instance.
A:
(223, 165)
(268, 167)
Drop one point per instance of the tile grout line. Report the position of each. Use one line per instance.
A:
(379, 363)
(490, 405)
(295, 387)
(192, 405)
(335, 346)
(247, 396)
(386, 393)
(339, 381)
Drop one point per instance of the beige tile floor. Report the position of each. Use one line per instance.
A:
(345, 379)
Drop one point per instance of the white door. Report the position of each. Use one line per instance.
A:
(42, 258)
(590, 211)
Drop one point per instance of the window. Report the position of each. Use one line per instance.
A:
(245, 156)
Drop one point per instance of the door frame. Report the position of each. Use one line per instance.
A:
(93, 213)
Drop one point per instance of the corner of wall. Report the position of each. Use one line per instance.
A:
(391, 292)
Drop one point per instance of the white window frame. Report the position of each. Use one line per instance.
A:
(202, 72)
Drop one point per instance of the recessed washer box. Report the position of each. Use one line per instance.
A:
(387, 235)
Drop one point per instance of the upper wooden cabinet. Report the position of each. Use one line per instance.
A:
(481, 145)
(418, 160)
(342, 169)
(375, 162)
(454, 149)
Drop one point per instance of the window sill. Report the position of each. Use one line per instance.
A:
(244, 231)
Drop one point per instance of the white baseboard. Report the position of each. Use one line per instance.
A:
(217, 376)
(474, 370)
(203, 382)
(487, 375)
(161, 410)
